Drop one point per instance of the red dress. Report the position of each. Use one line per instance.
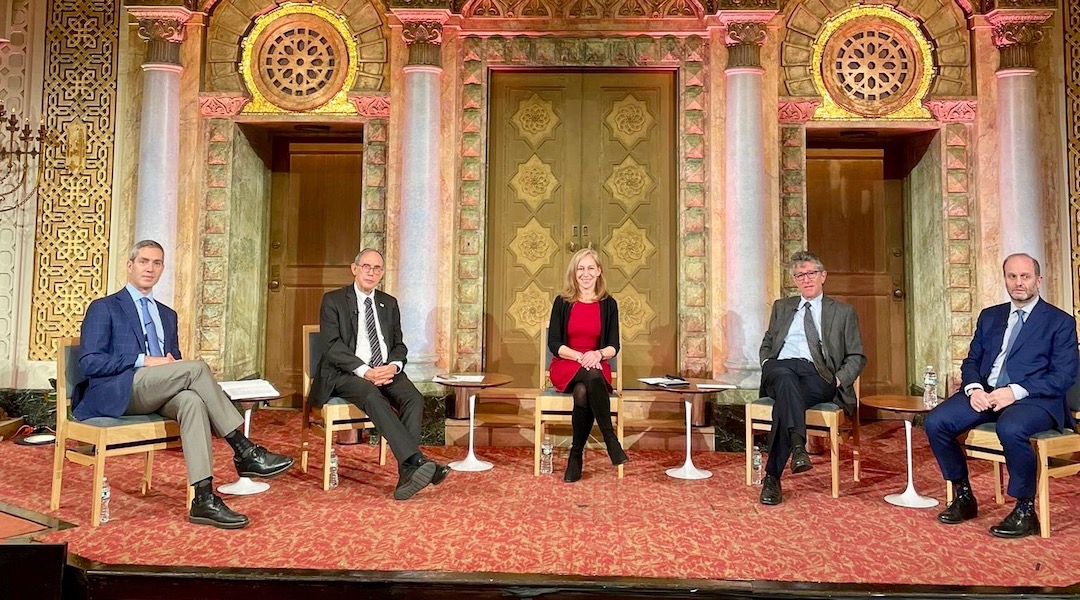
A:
(583, 335)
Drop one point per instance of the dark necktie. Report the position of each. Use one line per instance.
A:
(153, 344)
(814, 341)
(1003, 376)
(372, 335)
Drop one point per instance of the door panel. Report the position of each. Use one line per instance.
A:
(580, 159)
(855, 224)
(315, 182)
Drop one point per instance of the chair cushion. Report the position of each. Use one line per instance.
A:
(337, 400)
(551, 391)
(824, 406)
(125, 420)
(1042, 435)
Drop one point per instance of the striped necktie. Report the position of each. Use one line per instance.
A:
(372, 335)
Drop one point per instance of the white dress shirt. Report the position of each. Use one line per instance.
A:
(1019, 392)
(363, 346)
(795, 344)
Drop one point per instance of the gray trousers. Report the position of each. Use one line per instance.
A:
(186, 391)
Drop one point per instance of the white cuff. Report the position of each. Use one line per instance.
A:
(1019, 393)
(361, 370)
(972, 387)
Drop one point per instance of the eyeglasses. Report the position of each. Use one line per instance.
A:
(369, 269)
(805, 275)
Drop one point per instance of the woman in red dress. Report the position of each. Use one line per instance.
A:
(583, 335)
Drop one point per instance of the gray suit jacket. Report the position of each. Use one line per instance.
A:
(840, 340)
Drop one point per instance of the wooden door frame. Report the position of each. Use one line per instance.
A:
(939, 221)
(688, 57)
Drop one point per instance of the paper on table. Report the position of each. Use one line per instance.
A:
(662, 381)
(249, 389)
(458, 378)
(716, 386)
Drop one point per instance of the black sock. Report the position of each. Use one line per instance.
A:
(415, 460)
(1026, 504)
(962, 487)
(797, 440)
(204, 489)
(240, 444)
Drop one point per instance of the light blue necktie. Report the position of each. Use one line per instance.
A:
(152, 342)
(1003, 377)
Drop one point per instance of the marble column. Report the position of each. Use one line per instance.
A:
(420, 188)
(162, 28)
(745, 301)
(1020, 174)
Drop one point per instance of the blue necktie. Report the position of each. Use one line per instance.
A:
(373, 335)
(152, 342)
(1003, 376)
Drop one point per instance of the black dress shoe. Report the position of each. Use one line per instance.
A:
(1021, 522)
(573, 466)
(770, 491)
(212, 511)
(413, 478)
(800, 460)
(962, 508)
(262, 463)
(441, 471)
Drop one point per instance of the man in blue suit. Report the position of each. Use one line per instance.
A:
(130, 354)
(1022, 360)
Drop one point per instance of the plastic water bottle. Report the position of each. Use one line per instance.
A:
(333, 469)
(106, 493)
(930, 397)
(373, 437)
(757, 465)
(547, 448)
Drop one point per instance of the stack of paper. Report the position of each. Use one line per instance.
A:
(458, 378)
(249, 389)
(663, 381)
(717, 386)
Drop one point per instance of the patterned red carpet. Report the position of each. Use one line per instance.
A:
(506, 520)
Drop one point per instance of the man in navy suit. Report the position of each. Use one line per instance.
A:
(365, 364)
(130, 354)
(1022, 360)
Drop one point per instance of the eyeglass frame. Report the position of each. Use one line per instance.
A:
(371, 269)
(806, 274)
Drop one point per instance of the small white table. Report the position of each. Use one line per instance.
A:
(470, 389)
(907, 407)
(244, 486)
(689, 392)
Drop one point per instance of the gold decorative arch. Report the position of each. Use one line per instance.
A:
(833, 108)
(335, 102)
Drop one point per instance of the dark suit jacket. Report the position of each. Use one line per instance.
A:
(338, 321)
(112, 338)
(560, 320)
(841, 342)
(1043, 360)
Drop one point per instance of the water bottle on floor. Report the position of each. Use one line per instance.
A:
(930, 397)
(547, 448)
(757, 466)
(106, 493)
(333, 469)
(373, 437)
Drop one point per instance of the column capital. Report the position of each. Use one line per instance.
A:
(162, 27)
(745, 33)
(1015, 32)
(422, 30)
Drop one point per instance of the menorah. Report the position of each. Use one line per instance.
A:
(20, 150)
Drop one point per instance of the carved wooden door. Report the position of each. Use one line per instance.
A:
(581, 159)
(855, 223)
(314, 182)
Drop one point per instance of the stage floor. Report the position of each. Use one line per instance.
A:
(646, 525)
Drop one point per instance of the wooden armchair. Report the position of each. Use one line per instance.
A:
(555, 407)
(337, 414)
(135, 434)
(822, 420)
(1057, 454)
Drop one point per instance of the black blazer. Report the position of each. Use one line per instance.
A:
(560, 319)
(339, 318)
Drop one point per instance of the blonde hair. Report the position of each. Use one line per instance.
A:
(570, 292)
